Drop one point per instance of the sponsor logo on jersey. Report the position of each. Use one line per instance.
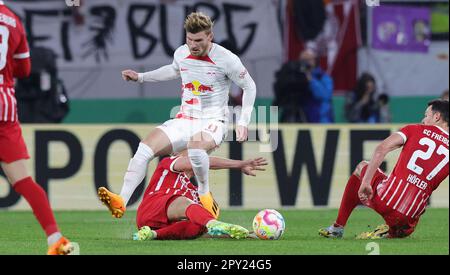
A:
(197, 88)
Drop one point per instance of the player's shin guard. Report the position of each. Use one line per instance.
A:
(349, 201)
(136, 171)
(200, 165)
(198, 215)
(37, 198)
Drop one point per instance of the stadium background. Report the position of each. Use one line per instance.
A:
(141, 35)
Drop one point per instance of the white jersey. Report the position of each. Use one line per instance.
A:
(206, 83)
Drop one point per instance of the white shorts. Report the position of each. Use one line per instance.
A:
(181, 130)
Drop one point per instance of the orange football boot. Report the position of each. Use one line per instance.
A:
(113, 201)
(210, 204)
(61, 247)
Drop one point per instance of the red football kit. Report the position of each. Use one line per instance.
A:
(14, 62)
(401, 197)
(165, 185)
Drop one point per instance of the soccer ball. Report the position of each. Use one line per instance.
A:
(268, 224)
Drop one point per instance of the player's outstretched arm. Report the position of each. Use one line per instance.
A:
(129, 75)
(164, 73)
(391, 143)
(248, 167)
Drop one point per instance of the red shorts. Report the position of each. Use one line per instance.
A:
(153, 211)
(12, 145)
(400, 226)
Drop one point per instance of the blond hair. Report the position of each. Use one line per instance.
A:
(197, 22)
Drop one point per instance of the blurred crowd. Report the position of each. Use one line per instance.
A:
(363, 105)
(303, 91)
(304, 94)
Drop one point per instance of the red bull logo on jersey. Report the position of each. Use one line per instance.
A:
(197, 88)
(192, 101)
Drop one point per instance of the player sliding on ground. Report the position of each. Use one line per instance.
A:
(206, 70)
(170, 208)
(401, 197)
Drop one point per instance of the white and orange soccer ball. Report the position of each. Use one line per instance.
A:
(268, 224)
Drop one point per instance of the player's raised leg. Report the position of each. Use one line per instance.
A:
(349, 201)
(37, 199)
(157, 143)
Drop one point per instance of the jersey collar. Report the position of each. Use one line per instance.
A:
(205, 58)
(441, 129)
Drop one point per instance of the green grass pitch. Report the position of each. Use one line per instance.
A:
(97, 232)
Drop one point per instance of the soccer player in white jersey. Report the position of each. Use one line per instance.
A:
(206, 71)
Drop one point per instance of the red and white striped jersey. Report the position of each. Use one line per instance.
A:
(13, 47)
(165, 180)
(421, 167)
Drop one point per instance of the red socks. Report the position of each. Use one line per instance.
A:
(349, 201)
(37, 198)
(190, 229)
(182, 230)
(198, 215)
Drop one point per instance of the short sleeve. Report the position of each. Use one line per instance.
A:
(22, 50)
(407, 131)
(168, 164)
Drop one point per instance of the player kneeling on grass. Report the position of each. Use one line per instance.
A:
(400, 198)
(171, 209)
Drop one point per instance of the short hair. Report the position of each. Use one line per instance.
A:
(384, 98)
(440, 106)
(361, 84)
(445, 95)
(197, 22)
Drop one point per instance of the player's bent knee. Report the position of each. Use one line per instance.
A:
(202, 141)
(159, 142)
(195, 145)
(15, 171)
(177, 208)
